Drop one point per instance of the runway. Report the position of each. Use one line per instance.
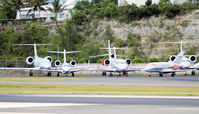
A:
(97, 104)
(133, 80)
(106, 104)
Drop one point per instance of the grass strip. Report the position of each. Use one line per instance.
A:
(38, 78)
(96, 89)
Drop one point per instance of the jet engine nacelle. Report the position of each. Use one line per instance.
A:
(49, 58)
(128, 61)
(30, 60)
(73, 63)
(172, 58)
(57, 63)
(105, 62)
(193, 58)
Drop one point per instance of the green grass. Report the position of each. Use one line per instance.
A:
(96, 89)
(38, 78)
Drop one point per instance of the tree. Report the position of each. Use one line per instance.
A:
(111, 10)
(18, 4)
(6, 41)
(32, 33)
(37, 6)
(67, 37)
(78, 17)
(82, 5)
(128, 13)
(57, 8)
(148, 2)
(10, 7)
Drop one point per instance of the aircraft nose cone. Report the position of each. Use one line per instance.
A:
(122, 67)
(66, 69)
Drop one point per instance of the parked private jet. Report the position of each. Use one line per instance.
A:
(40, 64)
(65, 68)
(113, 64)
(178, 63)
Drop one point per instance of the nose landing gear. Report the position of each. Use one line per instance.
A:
(173, 74)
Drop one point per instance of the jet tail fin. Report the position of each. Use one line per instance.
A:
(35, 47)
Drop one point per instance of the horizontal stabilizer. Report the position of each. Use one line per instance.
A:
(180, 42)
(121, 56)
(63, 51)
(99, 55)
(33, 44)
(113, 48)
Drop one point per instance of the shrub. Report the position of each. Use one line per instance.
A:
(172, 10)
(185, 23)
(138, 60)
(79, 17)
(5, 21)
(128, 13)
(119, 43)
(190, 5)
(111, 10)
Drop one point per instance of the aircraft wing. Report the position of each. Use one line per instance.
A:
(113, 70)
(73, 69)
(170, 70)
(25, 69)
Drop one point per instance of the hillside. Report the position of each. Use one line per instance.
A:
(140, 29)
(182, 27)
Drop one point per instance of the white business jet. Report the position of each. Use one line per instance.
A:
(113, 64)
(40, 64)
(178, 63)
(65, 68)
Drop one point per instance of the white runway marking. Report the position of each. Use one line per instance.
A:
(119, 96)
(34, 105)
(22, 113)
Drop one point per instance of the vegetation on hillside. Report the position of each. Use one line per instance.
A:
(73, 34)
(86, 10)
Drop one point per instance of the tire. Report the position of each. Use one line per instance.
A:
(111, 74)
(193, 73)
(58, 74)
(73, 74)
(160, 75)
(173, 75)
(30, 73)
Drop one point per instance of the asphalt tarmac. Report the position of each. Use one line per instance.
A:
(132, 80)
(97, 104)
(106, 104)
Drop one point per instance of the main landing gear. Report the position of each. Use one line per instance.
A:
(73, 74)
(173, 74)
(58, 74)
(125, 74)
(193, 73)
(31, 73)
(160, 75)
(48, 74)
(103, 73)
(111, 74)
